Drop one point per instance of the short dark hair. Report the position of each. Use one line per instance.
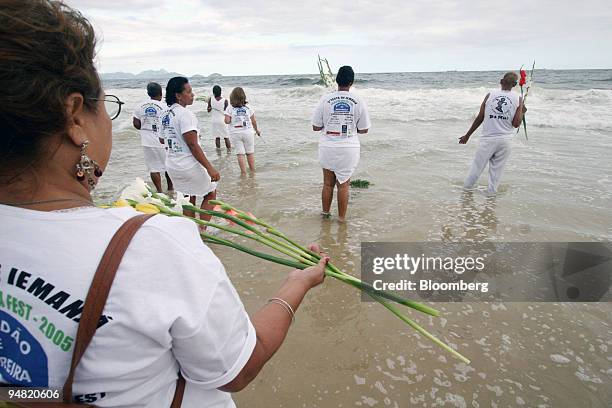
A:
(154, 89)
(345, 76)
(217, 90)
(47, 53)
(510, 79)
(175, 85)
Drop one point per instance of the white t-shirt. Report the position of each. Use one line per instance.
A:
(218, 110)
(149, 114)
(171, 301)
(241, 119)
(176, 121)
(341, 114)
(218, 126)
(500, 109)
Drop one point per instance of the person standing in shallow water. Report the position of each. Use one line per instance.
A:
(217, 105)
(340, 117)
(146, 120)
(502, 112)
(186, 162)
(242, 123)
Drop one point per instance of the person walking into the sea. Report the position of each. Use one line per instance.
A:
(217, 105)
(186, 162)
(501, 111)
(146, 120)
(242, 123)
(340, 116)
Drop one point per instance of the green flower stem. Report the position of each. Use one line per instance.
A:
(303, 259)
(293, 245)
(331, 270)
(420, 329)
(415, 305)
(314, 257)
(225, 206)
(276, 243)
(271, 258)
(261, 240)
(375, 296)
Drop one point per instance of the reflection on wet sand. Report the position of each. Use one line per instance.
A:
(470, 221)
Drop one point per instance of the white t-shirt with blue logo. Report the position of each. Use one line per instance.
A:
(175, 122)
(149, 114)
(341, 114)
(241, 119)
(171, 304)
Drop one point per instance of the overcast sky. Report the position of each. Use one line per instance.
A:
(284, 36)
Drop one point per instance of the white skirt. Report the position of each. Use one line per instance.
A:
(219, 130)
(155, 159)
(341, 160)
(194, 181)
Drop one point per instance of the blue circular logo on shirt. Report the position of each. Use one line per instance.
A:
(342, 107)
(22, 359)
(150, 111)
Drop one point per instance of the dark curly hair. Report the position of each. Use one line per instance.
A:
(175, 85)
(47, 52)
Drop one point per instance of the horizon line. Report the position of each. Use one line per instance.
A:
(360, 72)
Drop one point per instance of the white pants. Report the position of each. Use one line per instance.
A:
(494, 151)
(219, 130)
(243, 142)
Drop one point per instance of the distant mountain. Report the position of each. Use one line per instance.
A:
(117, 75)
(149, 74)
(215, 75)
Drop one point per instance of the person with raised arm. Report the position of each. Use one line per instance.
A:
(501, 111)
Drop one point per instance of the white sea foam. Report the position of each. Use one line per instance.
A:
(558, 358)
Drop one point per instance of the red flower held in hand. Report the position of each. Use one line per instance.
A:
(523, 79)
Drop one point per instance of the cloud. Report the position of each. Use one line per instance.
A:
(193, 34)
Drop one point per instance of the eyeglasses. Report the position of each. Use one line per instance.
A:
(112, 104)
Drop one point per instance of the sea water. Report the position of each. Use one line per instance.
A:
(557, 186)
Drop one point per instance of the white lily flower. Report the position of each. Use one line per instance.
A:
(180, 201)
(136, 191)
(152, 200)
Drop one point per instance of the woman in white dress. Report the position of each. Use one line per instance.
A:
(217, 105)
(186, 162)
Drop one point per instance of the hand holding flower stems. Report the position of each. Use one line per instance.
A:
(292, 254)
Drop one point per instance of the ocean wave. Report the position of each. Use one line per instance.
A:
(299, 81)
(414, 119)
(300, 92)
(548, 108)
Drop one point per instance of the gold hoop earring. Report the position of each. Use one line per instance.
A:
(87, 168)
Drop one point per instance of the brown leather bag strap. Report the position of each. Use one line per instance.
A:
(178, 392)
(98, 292)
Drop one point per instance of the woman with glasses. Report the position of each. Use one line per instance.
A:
(164, 314)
